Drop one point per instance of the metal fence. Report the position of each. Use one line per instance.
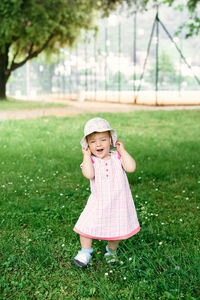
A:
(133, 58)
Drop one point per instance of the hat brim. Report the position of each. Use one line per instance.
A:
(113, 134)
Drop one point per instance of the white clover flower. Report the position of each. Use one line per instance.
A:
(146, 202)
(186, 198)
(121, 262)
(162, 223)
(106, 274)
(63, 206)
(61, 194)
(183, 191)
(63, 245)
(180, 220)
(177, 268)
(160, 243)
(136, 196)
(124, 278)
(130, 258)
(111, 271)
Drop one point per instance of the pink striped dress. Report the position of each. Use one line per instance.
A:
(110, 211)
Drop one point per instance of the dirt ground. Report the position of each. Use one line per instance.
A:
(74, 108)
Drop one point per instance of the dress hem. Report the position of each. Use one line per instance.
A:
(109, 238)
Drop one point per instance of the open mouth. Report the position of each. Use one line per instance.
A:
(100, 151)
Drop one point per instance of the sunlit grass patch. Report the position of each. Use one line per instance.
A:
(43, 193)
(13, 104)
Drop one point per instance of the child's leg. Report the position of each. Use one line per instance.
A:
(86, 243)
(110, 256)
(84, 255)
(113, 245)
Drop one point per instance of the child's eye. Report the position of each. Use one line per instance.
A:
(103, 140)
(92, 142)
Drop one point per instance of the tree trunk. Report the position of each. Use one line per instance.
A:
(4, 73)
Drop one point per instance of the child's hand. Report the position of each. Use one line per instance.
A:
(120, 146)
(86, 151)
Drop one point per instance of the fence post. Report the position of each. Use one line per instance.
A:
(157, 54)
(134, 56)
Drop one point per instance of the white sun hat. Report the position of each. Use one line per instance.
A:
(98, 125)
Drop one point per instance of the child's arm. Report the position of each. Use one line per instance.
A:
(87, 166)
(128, 163)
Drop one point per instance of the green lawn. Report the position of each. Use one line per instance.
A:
(13, 104)
(43, 193)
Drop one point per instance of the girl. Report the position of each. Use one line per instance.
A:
(110, 212)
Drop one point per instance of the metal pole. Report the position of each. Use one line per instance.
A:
(70, 75)
(28, 79)
(86, 81)
(95, 69)
(157, 56)
(77, 71)
(180, 70)
(178, 49)
(134, 56)
(147, 55)
(119, 48)
(106, 56)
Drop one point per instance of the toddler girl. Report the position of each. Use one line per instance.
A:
(110, 212)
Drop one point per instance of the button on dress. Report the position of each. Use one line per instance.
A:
(110, 212)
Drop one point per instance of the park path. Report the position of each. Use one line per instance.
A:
(74, 108)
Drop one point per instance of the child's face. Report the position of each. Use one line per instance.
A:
(99, 144)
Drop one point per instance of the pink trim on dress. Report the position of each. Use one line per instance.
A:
(119, 156)
(109, 239)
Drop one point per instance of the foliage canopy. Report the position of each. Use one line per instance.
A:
(30, 27)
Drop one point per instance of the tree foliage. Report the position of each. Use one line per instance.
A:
(192, 27)
(28, 27)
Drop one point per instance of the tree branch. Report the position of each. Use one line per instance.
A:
(16, 53)
(30, 55)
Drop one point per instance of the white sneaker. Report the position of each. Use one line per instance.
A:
(82, 258)
(110, 257)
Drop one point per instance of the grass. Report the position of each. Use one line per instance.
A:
(13, 104)
(43, 194)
